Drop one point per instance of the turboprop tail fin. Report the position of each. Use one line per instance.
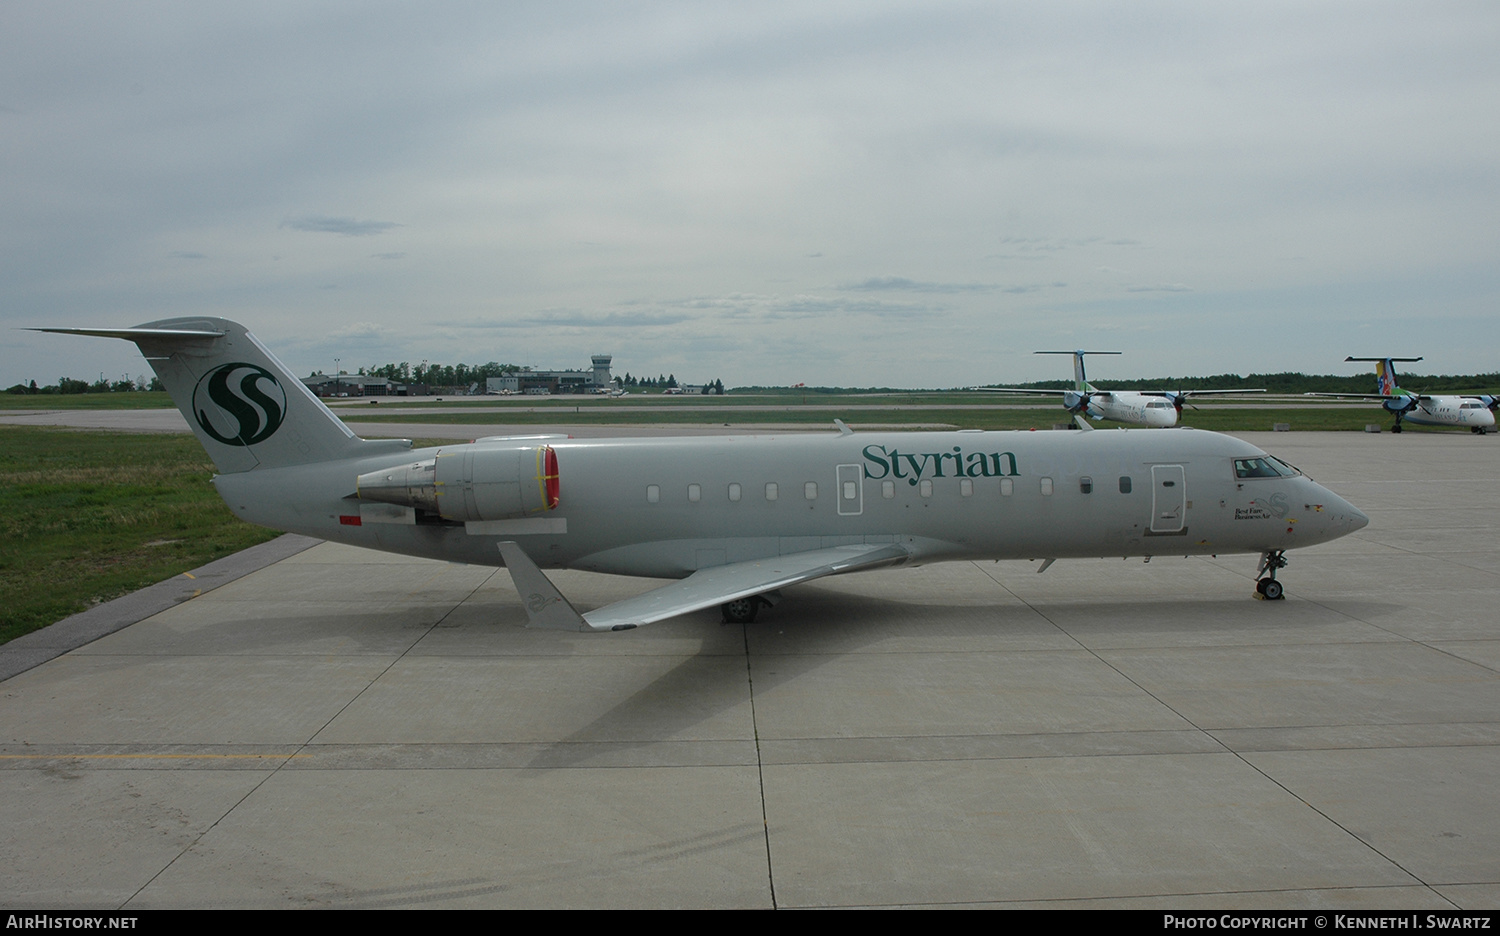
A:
(1080, 379)
(1385, 373)
(246, 408)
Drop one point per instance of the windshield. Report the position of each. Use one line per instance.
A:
(1266, 466)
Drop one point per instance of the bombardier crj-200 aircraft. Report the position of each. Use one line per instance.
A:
(1159, 408)
(1475, 410)
(732, 518)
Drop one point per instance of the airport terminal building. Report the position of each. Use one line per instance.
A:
(555, 381)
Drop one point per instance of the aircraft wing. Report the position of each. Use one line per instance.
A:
(1372, 397)
(1188, 393)
(1019, 390)
(545, 606)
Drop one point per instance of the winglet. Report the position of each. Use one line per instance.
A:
(843, 429)
(545, 606)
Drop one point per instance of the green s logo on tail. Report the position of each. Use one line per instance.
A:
(239, 404)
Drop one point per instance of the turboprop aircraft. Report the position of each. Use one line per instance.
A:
(1159, 408)
(732, 518)
(1475, 410)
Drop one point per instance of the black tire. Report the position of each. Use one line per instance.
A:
(741, 610)
(1260, 587)
(1273, 590)
(1396, 427)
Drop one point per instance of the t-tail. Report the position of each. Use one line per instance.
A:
(243, 404)
(1080, 379)
(1385, 373)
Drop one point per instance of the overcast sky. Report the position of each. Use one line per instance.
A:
(902, 194)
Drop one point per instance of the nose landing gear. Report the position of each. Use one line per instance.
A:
(1268, 588)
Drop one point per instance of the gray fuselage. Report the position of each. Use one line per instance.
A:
(669, 507)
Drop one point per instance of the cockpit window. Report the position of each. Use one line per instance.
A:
(1256, 468)
(1266, 466)
(1291, 471)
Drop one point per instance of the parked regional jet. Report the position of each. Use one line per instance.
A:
(1475, 410)
(1159, 408)
(733, 518)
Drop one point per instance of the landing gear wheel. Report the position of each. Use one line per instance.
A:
(1268, 588)
(741, 610)
(1396, 427)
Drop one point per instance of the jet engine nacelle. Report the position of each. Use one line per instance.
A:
(471, 482)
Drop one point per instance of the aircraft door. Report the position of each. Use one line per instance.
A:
(851, 490)
(1168, 499)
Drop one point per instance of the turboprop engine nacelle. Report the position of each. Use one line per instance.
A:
(471, 482)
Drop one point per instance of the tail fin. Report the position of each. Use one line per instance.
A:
(1080, 379)
(1385, 374)
(243, 404)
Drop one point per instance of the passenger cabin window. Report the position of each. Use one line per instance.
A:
(1086, 485)
(926, 487)
(1046, 487)
(1124, 484)
(734, 493)
(810, 490)
(653, 493)
(966, 486)
(888, 489)
(1006, 486)
(771, 490)
(695, 493)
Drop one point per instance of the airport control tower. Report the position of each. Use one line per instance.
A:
(601, 369)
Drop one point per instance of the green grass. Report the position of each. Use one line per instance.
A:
(86, 517)
(146, 399)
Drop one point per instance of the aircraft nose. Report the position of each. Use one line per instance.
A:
(1352, 517)
(1356, 518)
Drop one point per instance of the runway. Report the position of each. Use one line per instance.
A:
(348, 729)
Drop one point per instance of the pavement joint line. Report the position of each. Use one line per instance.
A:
(40, 646)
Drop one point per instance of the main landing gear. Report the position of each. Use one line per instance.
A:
(1268, 588)
(741, 610)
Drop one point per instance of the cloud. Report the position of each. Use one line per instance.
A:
(800, 306)
(901, 283)
(187, 255)
(1161, 287)
(398, 255)
(896, 283)
(348, 227)
(575, 319)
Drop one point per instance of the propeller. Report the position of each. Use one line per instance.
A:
(1076, 401)
(1179, 399)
